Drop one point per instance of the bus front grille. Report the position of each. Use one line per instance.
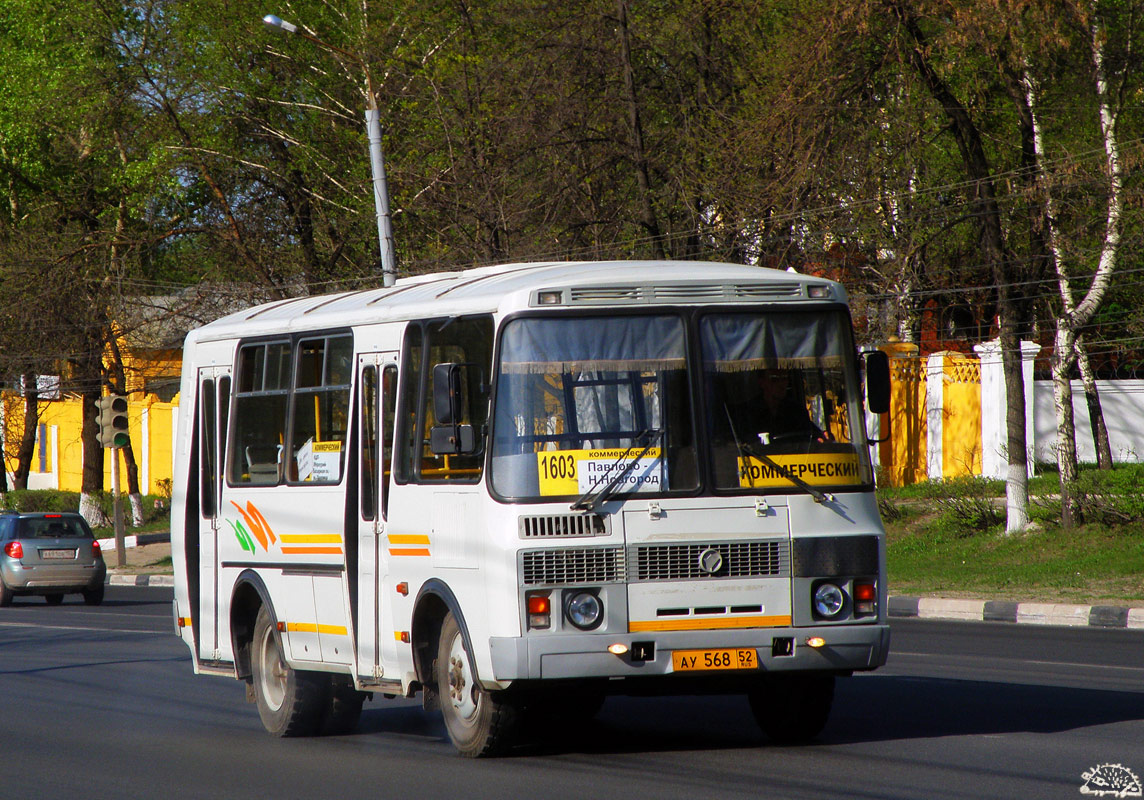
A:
(680, 562)
(561, 566)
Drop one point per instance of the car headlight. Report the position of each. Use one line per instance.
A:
(828, 600)
(584, 610)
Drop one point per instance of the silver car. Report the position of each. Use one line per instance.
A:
(51, 555)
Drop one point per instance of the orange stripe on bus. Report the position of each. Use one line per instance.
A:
(416, 551)
(335, 551)
(709, 624)
(310, 627)
(311, 538)
(408, 539)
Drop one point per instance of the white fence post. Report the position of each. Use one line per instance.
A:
(994, 458)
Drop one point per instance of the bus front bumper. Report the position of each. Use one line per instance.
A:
(843, 648)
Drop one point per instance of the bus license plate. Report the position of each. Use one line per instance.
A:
(730, 658)
(57, 554)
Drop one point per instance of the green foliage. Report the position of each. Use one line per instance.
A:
(1111, 497)
(41, 500)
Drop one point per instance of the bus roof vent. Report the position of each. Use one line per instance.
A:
(607, 294)
(692, 291)
(563, 526)
(767, 291)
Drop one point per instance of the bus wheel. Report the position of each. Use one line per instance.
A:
(290, 702)
(792, 709)
(479, 722)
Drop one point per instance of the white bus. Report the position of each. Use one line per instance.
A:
(520, 489)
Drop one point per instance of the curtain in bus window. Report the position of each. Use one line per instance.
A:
(737, 343)
(606, 343)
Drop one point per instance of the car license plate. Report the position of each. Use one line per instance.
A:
(729, 658)
(57, 554)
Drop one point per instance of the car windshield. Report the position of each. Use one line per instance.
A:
(51, 528)
(579, 399)
(597, 405)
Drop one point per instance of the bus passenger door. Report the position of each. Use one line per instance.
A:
(214, 404)
(376, 401)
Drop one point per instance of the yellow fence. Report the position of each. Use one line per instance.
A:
(935, 417)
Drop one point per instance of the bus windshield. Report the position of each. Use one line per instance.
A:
(603, 404)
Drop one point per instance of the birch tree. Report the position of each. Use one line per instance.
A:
(1074, 315)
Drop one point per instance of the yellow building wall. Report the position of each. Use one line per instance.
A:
(65, 417)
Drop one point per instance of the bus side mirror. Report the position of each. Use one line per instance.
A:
(448, 394)
(877, 381)
(449, 436)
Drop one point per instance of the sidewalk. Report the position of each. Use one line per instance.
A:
(148, 564)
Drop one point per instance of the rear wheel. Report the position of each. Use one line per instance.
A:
(792, 709)
(53, 599)
(479, 722)
(290, 702)
(93, 597)
(5, 594)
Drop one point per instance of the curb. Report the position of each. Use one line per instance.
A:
(141, 580)
(115, 578)
(1017, 613)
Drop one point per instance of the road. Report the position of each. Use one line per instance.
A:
(101, 703)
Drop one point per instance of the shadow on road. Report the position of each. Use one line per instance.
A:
(867, 709)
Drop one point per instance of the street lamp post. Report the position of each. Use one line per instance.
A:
(376, 159)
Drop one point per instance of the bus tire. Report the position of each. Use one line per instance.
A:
(792, 709)
(290, 702)
(479, 722)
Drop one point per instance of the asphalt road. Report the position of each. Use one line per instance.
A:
(101, 703)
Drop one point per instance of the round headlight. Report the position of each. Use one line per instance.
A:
(828, 600)
(584, 610)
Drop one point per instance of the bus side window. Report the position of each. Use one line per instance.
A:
(377, 445)
(388, 421)
(369, 443)
(208, 443)
(466, 340)
(259, 430)
(321, 410)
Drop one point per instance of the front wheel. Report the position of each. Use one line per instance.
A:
(479, 722)
(290, 702)
(792, 709)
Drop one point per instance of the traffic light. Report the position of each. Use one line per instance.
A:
(112, 419)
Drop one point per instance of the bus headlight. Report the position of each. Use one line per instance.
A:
(828, 600)
(584, 610)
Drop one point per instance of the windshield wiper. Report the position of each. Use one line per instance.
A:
(753, 450)
(592, 498)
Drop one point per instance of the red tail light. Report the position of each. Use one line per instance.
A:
(96, 550)
(14, 550)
